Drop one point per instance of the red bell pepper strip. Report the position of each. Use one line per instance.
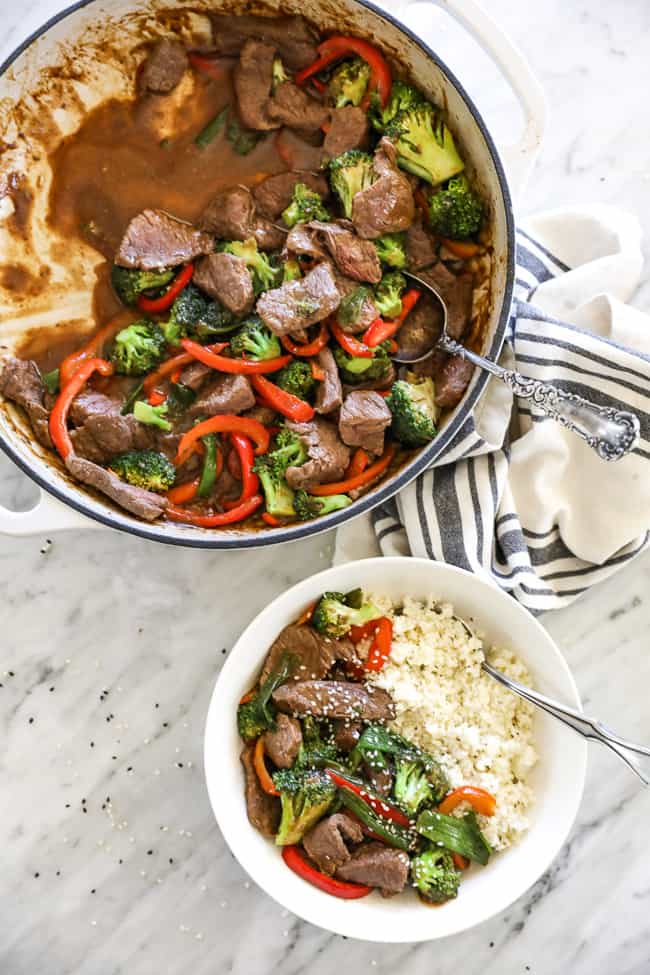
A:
(480, 799)
(460, 862)
(358, 633)
(222, 363)
(317, 371)
(378, 805)
(339, 46)
(271, 519)
(461, 248)
(156, 305)
(349, 344)
(306, 348)
(93, 347)
(358, 464)
(308, 613)
(250, 480)
(319, 86)
(184, 492)
(381, 329)
(206, 66)
(337, 888)
(216, 520)
(381, 645)
(59, 415)
(287, 404)
(156, 397)
(263, 776)
(370, 473)
(168, 368)
(227, 423)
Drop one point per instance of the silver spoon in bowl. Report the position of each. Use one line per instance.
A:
(589, 728)
(610, 432)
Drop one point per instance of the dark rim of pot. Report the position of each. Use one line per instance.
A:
(272, 536)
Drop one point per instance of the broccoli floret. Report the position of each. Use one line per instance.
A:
(315, 751)
(411, 787)
(391, 250)
(336, 612)
(129, 283)
(352, 305)
(138, 348)
(153, 416)
(146, 469)
(402, 98)
(256, 716)
(306, 795)
(254, 340)
(277, 493)
(349, 82)
(305, 205)
(265, 273)
(291, 271)
(414, 411)
(350, 173)
(435, 875)
(289, 450)
(424, 144)
(309, 506)
(278, 74)
(296, 378)
(456, 211)
(355, 369)
(388, 294)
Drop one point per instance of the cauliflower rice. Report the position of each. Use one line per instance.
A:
(481, 733)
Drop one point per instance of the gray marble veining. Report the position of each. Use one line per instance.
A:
(112, 863)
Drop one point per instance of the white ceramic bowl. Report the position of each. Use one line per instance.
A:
(558, 778)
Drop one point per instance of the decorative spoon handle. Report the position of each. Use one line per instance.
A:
(610, 432)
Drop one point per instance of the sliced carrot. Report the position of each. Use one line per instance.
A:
(260, 767)
(461, 248)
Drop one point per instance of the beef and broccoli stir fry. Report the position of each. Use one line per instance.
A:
(249, 372)
(353, 805)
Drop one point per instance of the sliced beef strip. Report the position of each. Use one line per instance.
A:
(20, 382)
(283, 743)
(144, 504)
(231, 215)
(299, 304)
(103, 436)
(363, 419)
(347, 734)
(315, 654)
(380, 779)
(354, 257)
(377, 865)
(225, 393)
(335, 699)
(153, 239)
(367, 313)
(90, 403)
(329, 394)
(263, 414)
(387, 206)
(456, 291)
(194, 375)
(292, 36)
(226, 278)
(252, 79)
(421, 247)
(302, 240)
(348, 129)
(421, 328)
(274, 194)
(295, 108)
(326, 843)
(328, 456)
(263, 810)
(451, 380)
(163, 68)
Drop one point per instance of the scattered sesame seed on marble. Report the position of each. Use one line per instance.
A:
(373, 963)
(247, 885)
(143, 873)
(199, 935)
(65, 839)
(100, 842)
(181, 832)
(158, 880)
(147, 741)
(189, 764)
(285, 933)
(183, 928)
(185, 724)
(177, 750)
(131, 839)
(203, 888)
(93, 924)
(223, 904)
(187, 833)
(156, 771)
(164, 828)
(68, 660)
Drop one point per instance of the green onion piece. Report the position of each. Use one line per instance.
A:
(51, 381)
(129, 402)
(212, 129)
(458, 835)
(179, 397)
(209, 475)
(391, 833)
(242, 140)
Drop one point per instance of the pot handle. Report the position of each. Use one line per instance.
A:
(46, 517)
(518, 158)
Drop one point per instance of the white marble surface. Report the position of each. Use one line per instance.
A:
(111, 646)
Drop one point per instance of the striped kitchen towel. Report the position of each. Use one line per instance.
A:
(516, 497)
